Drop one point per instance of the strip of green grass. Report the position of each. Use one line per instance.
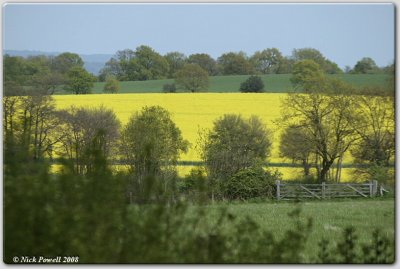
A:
(330, 218)
(273, 83)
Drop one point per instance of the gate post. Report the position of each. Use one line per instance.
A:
(374, 187)
(323, 190)
(278, 189)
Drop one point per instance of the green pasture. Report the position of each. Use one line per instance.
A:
(329, 218)
(273, 83)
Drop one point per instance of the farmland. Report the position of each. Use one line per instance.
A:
(275, 83)
(195, 111)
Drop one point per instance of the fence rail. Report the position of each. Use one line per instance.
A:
(287, 191)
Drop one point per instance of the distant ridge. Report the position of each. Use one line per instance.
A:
(93, 62)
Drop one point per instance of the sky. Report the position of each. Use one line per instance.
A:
(343, 33)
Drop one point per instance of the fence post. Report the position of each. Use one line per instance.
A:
(130, 198)
(370, 188)
(278, 189)
(323, 190)
(374, 187)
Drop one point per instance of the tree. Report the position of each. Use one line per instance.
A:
(312, 54)
(151, 142)
(267, 61)
(297, 146)
(365, 66)
(176, 61)
(327, 115)
(306, 74)
(234, 144)
(112, 85)
(151, 65)
(112, 68)
(376, 144)
(205, 61)
(81, 127)
(308, 54)
(64, 62)
(234, 64)
(79, 81)
(192, 78)
(252, 84)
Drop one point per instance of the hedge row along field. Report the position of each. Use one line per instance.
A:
(195, 111)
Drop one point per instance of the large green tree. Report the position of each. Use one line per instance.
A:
(205, 61)
(365, 66)
(267, 61)
(306, 74)
(234, 64)
(176, 61)
(79, 81)
(327, 115)
(312, 54)
(234, 143)
(151, 140)
(192, 78)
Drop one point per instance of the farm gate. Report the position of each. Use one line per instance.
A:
(287, 191)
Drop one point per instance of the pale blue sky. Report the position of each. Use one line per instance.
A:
(344, 33)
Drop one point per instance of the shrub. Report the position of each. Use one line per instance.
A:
(251, 183)
(252, 84)
(169, 88)
(112, 85)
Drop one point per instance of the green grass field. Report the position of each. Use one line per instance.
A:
(273, 83)
(329, 218)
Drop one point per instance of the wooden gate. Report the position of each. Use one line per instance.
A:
(288, 191)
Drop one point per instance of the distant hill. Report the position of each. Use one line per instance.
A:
(93, 62)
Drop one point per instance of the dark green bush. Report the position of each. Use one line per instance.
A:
(169, 88)
(251, 183)
(252, 84)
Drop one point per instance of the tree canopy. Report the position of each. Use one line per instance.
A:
(192, 78)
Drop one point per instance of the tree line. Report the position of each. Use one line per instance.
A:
(66, 71)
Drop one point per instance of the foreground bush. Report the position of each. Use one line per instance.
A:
(251, 183)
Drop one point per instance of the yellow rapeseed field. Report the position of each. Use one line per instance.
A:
(191, 112)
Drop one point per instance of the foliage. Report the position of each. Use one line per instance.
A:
(79, 81)
(205, 61)
(169, 88)
(64, 62)
(80, 126)
(251, 182)
(326, 65)
(234, 144)
(296, 145)
(28, 122)
(112, 85)
(194, 187)
(176, 61)
(151, 145)
(327, 115)
(268, 61)
(365, 66)
(234, 64)
(142, 64)
(349, 251)
(192, 78)
(252, 84)
(306, 74)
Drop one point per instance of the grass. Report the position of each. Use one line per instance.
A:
(330, 218)
(273, 83)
